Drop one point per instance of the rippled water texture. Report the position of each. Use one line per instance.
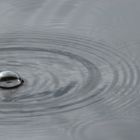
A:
(63, 73)
(79, 61)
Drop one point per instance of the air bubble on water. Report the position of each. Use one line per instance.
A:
(9, 79)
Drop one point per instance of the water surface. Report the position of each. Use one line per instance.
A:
(80, 64)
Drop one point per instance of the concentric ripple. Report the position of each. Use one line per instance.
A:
(63, 72)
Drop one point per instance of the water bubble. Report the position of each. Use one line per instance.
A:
(9, 79)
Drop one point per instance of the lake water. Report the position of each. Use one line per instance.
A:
(81, 69)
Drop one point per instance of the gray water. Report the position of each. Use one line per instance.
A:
(80, 64)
